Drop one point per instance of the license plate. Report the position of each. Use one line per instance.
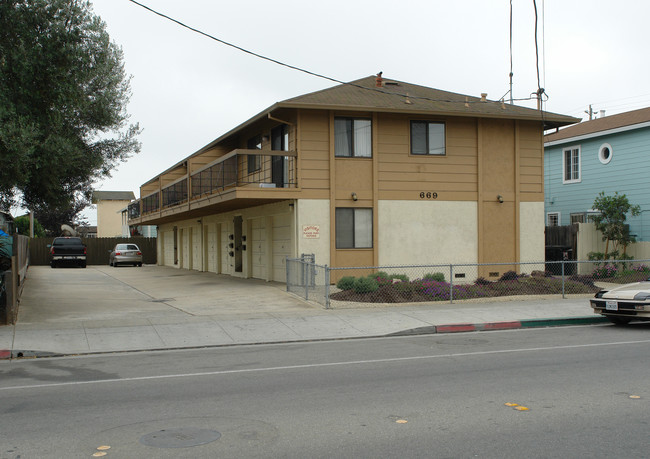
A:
(611, 305)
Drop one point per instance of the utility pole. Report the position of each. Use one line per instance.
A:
(590, 112)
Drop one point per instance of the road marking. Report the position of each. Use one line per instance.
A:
(324, 365)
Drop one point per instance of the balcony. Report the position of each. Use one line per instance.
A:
(239, 179)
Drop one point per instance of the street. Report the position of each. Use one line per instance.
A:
(580, 392)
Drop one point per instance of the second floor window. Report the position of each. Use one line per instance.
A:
(571, 165)
(427, 138)
(353, 137)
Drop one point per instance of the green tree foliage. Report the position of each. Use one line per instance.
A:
(611, 220)
(22, 226)
(63, 96)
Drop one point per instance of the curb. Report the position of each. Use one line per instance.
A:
(512, 325)
(6, 354)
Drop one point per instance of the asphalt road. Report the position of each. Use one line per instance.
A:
(582, 392)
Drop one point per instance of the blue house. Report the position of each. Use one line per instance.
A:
(611, 153)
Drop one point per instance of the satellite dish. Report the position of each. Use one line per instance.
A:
(68, 230)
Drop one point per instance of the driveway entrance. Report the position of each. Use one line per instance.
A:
(127, 293)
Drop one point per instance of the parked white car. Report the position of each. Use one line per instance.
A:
(623, 304)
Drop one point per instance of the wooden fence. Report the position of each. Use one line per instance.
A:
(97, 249)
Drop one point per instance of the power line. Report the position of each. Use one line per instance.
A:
(299, 69)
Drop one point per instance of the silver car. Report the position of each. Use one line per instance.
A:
(624, 304)
(125, 254)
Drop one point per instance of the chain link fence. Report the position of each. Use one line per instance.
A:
(374, 286)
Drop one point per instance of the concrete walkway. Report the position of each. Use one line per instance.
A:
(105, 309)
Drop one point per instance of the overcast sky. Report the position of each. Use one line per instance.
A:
(188, 89)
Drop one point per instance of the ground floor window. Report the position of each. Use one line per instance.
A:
(353, 228)
(553, 219)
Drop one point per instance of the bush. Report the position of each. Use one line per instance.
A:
(405, 287)
(482, 281)
(438, 277)
(365, 285)
(346, 283)
(509, 275)
(605, 272)
(382, 278)
(402, 277)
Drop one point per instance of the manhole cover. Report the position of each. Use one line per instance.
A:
(183, 437)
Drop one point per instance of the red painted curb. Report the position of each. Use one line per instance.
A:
(455, 328)
(5, 354)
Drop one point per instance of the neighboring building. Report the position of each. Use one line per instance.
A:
(609, 154)
(87, 231)
(136, 230)
(373, 172)
(109, 207)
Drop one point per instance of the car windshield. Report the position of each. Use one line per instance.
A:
(67, 241)
(126, 247)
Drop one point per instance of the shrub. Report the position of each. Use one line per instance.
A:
(382, 278)
(604, 272)
(402, 277)
(405, 287)
(346, 283)
(583, 279)
(482, 281)
(365, 285)
(509, 275)
(438, 277)
(641, 269)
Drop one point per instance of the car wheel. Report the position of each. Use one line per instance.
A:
(83, 265)
(53, 265)
(619, 320)
(140, 265)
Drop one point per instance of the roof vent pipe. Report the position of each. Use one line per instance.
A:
(379, 81)
(602, 114)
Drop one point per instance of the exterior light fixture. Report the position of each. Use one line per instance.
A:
(354, 197)
(500, 199)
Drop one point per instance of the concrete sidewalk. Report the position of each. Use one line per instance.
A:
(104, 309)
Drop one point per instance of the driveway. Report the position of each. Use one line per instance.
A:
(69, 295)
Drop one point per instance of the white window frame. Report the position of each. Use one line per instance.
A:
(578, 166)
(548, 218)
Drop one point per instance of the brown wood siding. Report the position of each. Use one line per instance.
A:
(531, 162)
(403, 176)
(208, 156)
(314, 174)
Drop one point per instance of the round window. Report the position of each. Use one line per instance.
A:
(605, 153)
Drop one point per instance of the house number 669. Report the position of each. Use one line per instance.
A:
(428, 195)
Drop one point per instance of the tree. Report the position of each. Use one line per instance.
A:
(63, 97)
(611, 220)
(22, 226)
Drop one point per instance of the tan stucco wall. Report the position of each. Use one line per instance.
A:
(109, 218)
(531, 235)
(418, 232)
(314, 212)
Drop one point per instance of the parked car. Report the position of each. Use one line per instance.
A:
(125, 254)
(67, 251)
(623, 304)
